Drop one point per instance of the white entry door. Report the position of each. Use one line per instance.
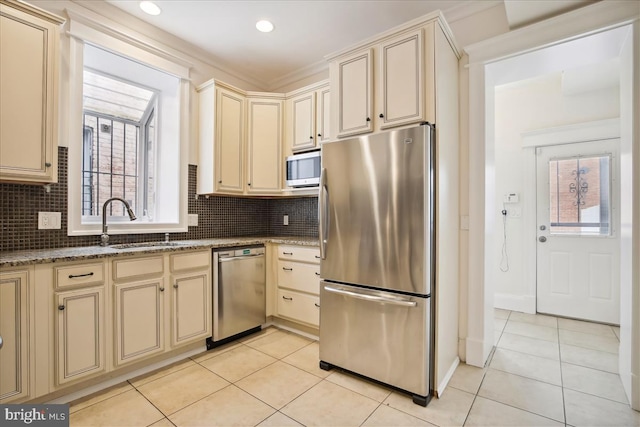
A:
(578, 262)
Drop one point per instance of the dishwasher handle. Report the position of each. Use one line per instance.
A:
(235, 258)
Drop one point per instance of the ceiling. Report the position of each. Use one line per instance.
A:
(305, 30)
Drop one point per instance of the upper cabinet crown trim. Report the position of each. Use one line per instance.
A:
(395, 31)
(33, 10)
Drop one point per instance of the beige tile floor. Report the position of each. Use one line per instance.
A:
(544, 371)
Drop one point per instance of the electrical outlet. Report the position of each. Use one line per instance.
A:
(49, 220)
(285, 220)
(193, 220)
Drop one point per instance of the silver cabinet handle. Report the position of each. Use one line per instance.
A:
(316, 304)
(287, 298)
(287, 269)
(323, 216)
(1, 342)
(403, 303)
(316, 273)
(287, 253)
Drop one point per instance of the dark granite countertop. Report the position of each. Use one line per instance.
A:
(43, 256)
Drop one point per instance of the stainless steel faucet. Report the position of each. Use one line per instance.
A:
(104, 240)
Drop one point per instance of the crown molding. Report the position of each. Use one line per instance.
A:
(469, 8)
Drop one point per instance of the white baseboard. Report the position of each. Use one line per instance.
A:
(475, 352)
(522, 303)
(443, 384)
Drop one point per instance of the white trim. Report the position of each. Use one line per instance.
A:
(579, 132)
(592, 19)
(447, 377)
(522, 303)
(118, 42)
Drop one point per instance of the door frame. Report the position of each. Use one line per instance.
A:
(575, 133)
(477, 305)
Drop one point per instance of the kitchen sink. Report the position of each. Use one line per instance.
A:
(144, 245)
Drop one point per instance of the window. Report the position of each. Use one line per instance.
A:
(580, 196)
(118, 144)
(127, 138)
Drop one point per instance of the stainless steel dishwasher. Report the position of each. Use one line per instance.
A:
(239, 293)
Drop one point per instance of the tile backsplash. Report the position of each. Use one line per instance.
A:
(218, 216)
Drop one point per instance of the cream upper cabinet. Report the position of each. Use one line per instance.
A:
(29, 86)
(386, 83)
(352, 85)
(14, 332)
(323, 116)
(79, 329)
(401, 85)
(303, 110)
(264, 145)
(308, 118)
(229, 143)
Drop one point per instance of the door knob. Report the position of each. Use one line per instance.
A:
(543, 227)
(542, 239)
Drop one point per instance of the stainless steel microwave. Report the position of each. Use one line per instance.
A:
(303, 170)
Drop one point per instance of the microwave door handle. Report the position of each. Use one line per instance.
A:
(323, 215)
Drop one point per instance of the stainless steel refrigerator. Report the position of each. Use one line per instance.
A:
(376, 224)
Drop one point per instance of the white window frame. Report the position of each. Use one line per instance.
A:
(81, 31)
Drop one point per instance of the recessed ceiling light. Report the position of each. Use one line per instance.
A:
(150, 7)
(264, 26)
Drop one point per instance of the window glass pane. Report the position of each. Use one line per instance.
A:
(579, 196)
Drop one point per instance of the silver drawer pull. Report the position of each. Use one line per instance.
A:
(373, 298)
(287, 253)
(75, 276)
(287, 298)
(287, 269)
(317, 256)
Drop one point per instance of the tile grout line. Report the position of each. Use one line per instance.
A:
(564, 403)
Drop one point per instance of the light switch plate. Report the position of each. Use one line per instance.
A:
(193, 220)
(49, 220)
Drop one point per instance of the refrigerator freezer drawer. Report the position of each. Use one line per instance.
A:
(381, 335)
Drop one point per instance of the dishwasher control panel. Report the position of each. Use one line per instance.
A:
(240, 252)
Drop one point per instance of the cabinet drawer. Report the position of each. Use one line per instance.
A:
(299, 276)
(298, 253)
(299, 307)
(80, 274)
(191, 261)
(128, 268)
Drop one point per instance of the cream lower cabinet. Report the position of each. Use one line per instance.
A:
(298, 279)
(29, 86)
(14, 331)
(190, 297)
(80, 333)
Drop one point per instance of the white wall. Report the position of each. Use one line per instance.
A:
(521, 107)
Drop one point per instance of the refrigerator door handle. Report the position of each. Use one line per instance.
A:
(323, 216)
(373, 298)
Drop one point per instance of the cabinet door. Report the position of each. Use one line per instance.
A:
(229, 141)
(28, 79)
(14, 361)
(264, 142)
(191, 308)
(303, 121)
(353, 77)
(139, 311)
(323, 116)
(79, 334)
(402, 76)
